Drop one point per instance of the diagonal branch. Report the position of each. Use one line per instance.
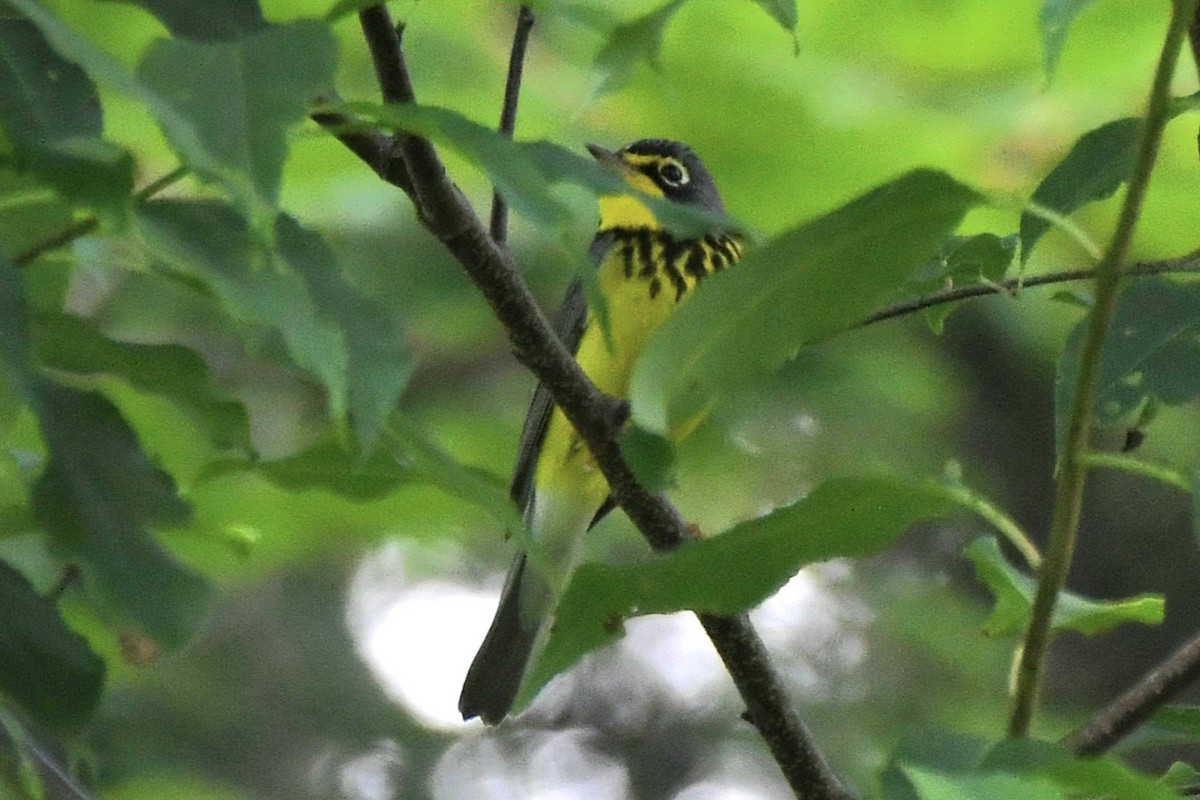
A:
(597, 418)
(1139, 702)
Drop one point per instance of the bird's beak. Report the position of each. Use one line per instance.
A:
(607, 157)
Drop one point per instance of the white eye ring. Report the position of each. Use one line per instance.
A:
(673, 173)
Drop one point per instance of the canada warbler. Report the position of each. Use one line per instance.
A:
(645, 272)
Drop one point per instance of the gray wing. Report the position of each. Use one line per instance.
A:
(569, 323)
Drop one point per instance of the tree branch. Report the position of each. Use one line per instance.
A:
(1139, 702)
(508, 114)
(596, 417)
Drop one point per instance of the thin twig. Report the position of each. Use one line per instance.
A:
(1010, 285)
(1139, 702)
(85, 225)
(508, 114)
(1072, 474)
(596, 418)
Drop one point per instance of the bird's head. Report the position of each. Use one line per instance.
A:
(655, 168)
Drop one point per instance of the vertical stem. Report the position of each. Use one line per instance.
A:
(1072, 474)
(508, 113)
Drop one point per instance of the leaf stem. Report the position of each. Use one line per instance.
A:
(1072, 474)
(992, 515)
(1135, 466)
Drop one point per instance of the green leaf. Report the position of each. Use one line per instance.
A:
(962, 261)
(377, 362)
(1055, 21)
(1099, 162)
(1014, 591)
(99, 495)
(225, 106)
(1171, 726)
(29, 211)
(839, 519)
(43, 97)
(51, 112)
(1196, 505)
(651, 456)
(211, 20)
(352, 344)
(47, 668)
(782, 11)
(71, 345)
(1075, 777)
(1152, 351)
(326, 467)
(239, 99)
(803, 286)
(632, 43)
(931, 785)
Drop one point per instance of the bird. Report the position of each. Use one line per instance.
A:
(645, 271)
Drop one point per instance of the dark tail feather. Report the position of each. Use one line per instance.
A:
(495, 674)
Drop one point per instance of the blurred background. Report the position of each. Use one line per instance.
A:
(332, 664)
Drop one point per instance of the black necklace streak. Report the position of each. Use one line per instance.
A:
(656, 256)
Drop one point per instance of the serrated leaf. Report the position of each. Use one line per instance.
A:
(841, 518)
(1152, 351)
(48, 669)
(211, 20)
(1014, 591)
(1099, 162)
(632, 43)
(1055, 21)
(240, 98)
(803, 286)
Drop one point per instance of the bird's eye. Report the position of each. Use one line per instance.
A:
(673, 174)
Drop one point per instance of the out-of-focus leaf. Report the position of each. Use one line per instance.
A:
(1196, 505)
(1097, 165)
(43, 97)
(805, 285)
(30, 211)
(378, 365)
(632, 43)
(1075, 777)
(651, 456)
(208, 21)
(951, 767)
(1152, 351)
(843, 518)
(1056, 19)
(69, 344)
(960, 261)
(350, 343)
(1014, 591)
(782, 11)
(51, 112)
(931, 785)
(47, 668)
(98, 495)
(1171, 726)
(239, 98)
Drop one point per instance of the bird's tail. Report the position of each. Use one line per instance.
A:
(496, 673)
